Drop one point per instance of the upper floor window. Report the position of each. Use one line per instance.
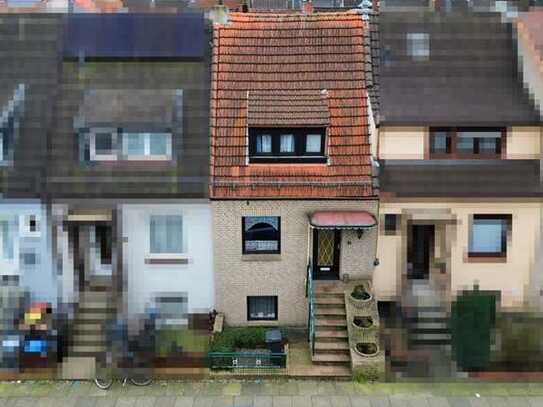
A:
(418, 46)
(306, 145)
(111, 144)
(466, 142)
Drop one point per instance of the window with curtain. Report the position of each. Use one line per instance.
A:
(263, 144)
(287, 143)
(488, 236)
(313, 143)
(261, 308)
(261, 234)
(166, 234)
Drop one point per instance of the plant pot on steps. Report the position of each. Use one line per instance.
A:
(366, 349)
(360, 298)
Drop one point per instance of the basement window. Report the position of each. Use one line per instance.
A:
(262, 308)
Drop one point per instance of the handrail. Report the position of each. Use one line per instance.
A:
(311, 306)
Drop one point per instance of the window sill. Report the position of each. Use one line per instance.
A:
(173, 259)
(261, 257)
(485, 259)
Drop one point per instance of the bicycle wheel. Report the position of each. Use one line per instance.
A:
(140, 380)
(103, 383)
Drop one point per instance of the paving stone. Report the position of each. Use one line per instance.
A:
(184, 401)
(535, 401)
(308, 388)
(399, 402)
(479, 402)
(203, 402)
(458, 401)
(321, 401)
(223, 401)
(360, 401)
(326, 389)
(165, 401)
(417, 401)
(263, 401)
(125, 401)
(517, 402)
(282, 401)
(379, 401)
(243, 401)
(43, 402)
(86, 401)
(340, 401)
(251, 389)
(105, 402)
(25, 402)
(437, 401)
(288, 389)
(496, 401)
(301, 401)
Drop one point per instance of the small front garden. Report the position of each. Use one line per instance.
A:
(247, 348)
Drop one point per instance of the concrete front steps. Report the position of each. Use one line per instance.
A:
(331, 336)
(88, 329)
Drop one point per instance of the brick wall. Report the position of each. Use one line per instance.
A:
(238, 276)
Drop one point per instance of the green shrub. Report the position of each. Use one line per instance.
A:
(234, 338)
(360, 293)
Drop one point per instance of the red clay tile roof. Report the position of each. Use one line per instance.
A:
(290, 108)
(260, 53)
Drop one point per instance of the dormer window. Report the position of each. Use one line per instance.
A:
(296, 145)
(111, 144)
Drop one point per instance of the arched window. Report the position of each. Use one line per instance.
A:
(261, 234)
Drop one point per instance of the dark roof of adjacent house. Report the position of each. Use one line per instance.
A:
(107, 107)
(460, 178)
(470, 77)
(133, 35)
(261, 53)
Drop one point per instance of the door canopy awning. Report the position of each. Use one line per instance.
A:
(342, 220)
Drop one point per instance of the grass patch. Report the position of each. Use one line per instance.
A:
(231, 339)
(186, 339)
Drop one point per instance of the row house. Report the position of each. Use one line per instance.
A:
(459, 147)
(291, 172)
(105, 167)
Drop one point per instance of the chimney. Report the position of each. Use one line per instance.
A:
(218, 14)
(307, 7)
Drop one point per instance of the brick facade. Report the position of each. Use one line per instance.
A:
(238, 276)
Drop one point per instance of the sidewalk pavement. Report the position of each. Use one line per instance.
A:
(285, 393)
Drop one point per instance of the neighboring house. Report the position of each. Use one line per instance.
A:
(291, 174)
(25, 114)
(459, 147)
(129, 165)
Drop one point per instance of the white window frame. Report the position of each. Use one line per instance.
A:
(147, 147)
(24, 225)
(92, 144)
(184, 242)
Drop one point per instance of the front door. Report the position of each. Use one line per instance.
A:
(419, 250)
(326, 246)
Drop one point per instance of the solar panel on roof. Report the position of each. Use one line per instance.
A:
(135, 36)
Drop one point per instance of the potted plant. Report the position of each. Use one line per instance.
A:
(363, 322)
(360, 297)
(367, 349)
